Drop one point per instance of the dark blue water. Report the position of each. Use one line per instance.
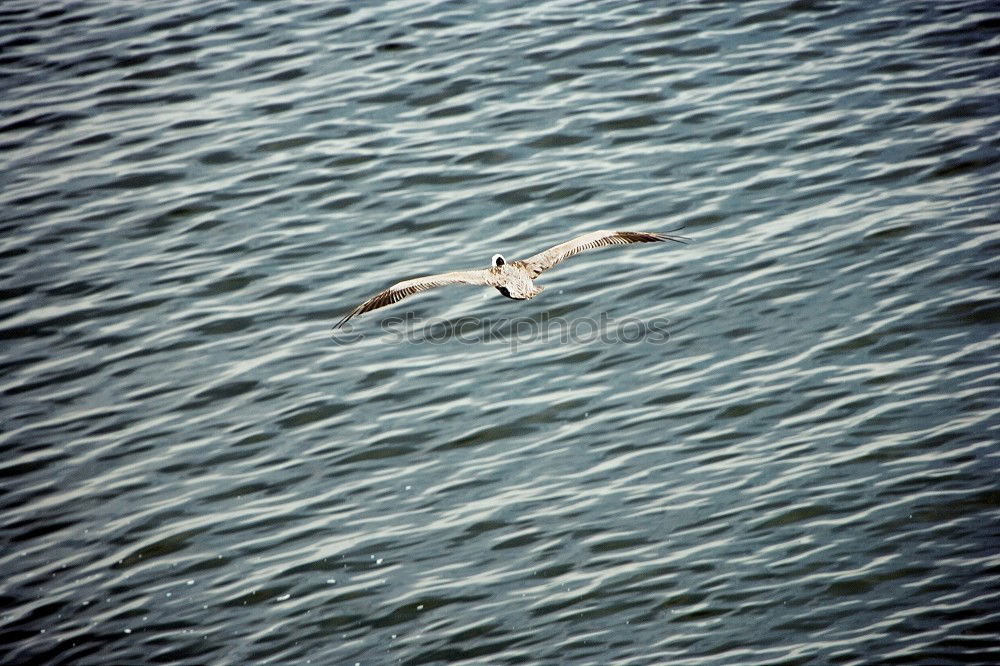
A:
(800, 467)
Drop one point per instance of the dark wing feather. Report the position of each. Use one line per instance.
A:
(401, 290)
(595, 239)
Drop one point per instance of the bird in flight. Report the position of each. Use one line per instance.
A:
(514, 279)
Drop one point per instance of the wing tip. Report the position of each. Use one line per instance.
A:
(652, 236)
(361, 309)
(342, 321)
(672, 237)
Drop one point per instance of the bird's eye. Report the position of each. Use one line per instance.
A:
(498, 260)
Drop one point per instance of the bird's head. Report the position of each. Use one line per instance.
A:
(497, 261)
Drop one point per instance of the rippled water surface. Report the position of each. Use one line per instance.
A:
(801, 468)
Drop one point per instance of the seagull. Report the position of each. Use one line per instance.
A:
(514, 279)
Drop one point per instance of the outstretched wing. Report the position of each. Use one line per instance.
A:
(595, 239)
(401, 290)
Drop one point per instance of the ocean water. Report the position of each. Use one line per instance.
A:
(777, 444)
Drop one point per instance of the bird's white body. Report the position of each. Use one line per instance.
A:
(513, 280)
